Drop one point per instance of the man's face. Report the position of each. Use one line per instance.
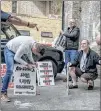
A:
(98, 40)
(36, 51)
(84, 45)
(72, 23)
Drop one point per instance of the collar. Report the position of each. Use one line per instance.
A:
(88, 52)
(72, 28)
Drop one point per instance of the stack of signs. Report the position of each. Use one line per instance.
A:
(24, 80)
(45, 74)
(2, 74)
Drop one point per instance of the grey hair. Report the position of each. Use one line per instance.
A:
(39, 47)
(86, 40)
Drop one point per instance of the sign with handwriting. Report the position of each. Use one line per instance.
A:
(24, 80)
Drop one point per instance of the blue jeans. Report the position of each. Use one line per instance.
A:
(70, 55)
(9, 60)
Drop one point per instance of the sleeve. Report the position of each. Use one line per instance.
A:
(96, 59)
(4, 16)
(30, 57)
(73, 35)
(20, 52)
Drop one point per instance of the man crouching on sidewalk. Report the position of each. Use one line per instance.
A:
(84, 66)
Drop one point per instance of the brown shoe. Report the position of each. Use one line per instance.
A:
(4, 97)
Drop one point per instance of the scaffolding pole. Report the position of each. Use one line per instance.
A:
(67, 74)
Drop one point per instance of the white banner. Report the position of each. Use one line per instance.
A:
(24, 80)
(45, 74)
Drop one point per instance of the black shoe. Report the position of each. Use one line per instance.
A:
(73, 87)
(76, 79)
(91, 87)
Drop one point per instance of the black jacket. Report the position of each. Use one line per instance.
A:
(72, 38)
(92, 60)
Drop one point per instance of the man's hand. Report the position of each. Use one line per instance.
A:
(61, 32)
(29, 66)
(31, 25)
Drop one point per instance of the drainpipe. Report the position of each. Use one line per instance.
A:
(63, 15)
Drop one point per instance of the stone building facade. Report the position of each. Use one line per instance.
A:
(32, 8)
(86, 13)
(36, 12)
(87, 16)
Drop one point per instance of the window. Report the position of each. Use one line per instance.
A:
(14, 6)
(24, 32)
(47, 34)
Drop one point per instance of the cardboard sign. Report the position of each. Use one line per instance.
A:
(45, 74)
(59, 43)
(2, 74)
(24, 80)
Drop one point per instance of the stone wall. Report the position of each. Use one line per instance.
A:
(44, 24)
(34, 11)
(87, 16)
(31, 8)
(68, 9)
(6, 6)
(90, 19)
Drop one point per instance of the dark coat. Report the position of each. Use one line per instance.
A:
(72, 38)
(92, 60)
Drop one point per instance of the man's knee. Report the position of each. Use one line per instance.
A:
(9, 72)
(71, 70)
(83, 79)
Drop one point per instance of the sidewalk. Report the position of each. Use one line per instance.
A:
(55, 98)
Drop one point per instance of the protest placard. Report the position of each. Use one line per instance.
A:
(2, 74)
(45, 74)
(24, 80)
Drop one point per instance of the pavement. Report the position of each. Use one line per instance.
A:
(57, 98)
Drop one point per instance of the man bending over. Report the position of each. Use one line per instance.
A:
(14, 50)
